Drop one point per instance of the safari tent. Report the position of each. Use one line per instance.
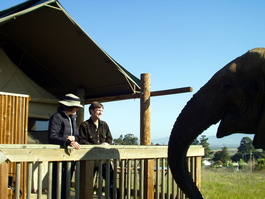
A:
(44, 53)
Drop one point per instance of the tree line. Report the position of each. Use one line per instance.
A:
(128, 139)
(245, 153)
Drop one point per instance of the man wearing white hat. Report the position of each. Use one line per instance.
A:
(63, 131)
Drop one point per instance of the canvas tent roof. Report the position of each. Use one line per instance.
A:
(48, 46)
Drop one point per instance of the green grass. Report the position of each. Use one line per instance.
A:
(224, 184)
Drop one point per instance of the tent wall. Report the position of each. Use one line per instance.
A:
(42, 104)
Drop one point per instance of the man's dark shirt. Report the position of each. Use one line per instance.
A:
(90, 134)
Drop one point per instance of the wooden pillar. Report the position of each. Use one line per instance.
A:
(81, 113)
(145, 124)
(145, 134)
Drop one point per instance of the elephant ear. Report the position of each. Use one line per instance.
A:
(259, 138)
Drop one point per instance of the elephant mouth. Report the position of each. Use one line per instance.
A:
(232, 122)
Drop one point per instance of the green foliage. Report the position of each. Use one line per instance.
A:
(195, 142)
(128, 139)
(258, 154)
(230, 165)
(222, 155)
(237, 156)
(219, 163)
(206, 146)
(217, 156)
(118, 141)
(260, 164)
(241, 164)
(246, 145)
(247, 151)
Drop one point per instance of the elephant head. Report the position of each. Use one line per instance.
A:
(235, 96)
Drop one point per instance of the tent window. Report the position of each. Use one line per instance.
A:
(35, 124)
(42, 125)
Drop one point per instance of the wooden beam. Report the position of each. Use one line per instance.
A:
(16, 153)
(138, 95)
(44, 101)
(112, 98)
(171, 91)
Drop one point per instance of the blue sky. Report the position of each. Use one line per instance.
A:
(179, 43)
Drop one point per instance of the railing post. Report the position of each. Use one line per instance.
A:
(4, 179)
(86, 180)
(145, 137)
(198, 168)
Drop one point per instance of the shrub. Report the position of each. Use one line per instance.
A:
(260, 165)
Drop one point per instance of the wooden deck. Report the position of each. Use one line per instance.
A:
(44, 196)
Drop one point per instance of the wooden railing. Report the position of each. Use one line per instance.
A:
(129, 163)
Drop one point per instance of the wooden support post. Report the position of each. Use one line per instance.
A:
(86, 180)
(145, 137)
(81, 112)
(145, 124)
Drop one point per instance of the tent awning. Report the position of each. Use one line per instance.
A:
(42, 39)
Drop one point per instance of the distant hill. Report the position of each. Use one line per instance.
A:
(160, 141)
(232, 141)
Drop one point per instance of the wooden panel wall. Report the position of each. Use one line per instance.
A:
(13, 118)
(13, 130)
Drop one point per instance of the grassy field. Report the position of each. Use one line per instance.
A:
(224, 184)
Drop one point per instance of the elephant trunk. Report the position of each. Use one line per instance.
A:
(191, 122)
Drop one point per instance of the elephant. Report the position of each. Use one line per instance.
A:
(235, 97)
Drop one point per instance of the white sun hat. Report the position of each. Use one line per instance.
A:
(71, 100)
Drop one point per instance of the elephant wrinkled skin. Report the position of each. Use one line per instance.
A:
(234, 96)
